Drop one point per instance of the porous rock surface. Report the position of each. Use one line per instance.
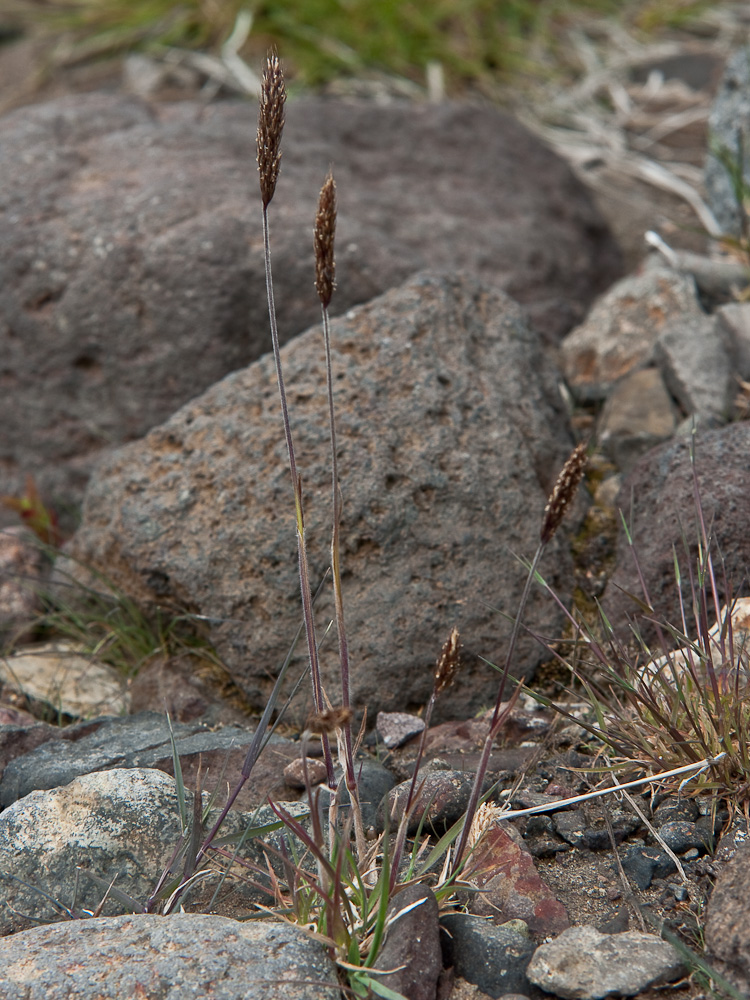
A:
(451, 433)
(728, 920)
(131, 248)
(148, 956)
(658, 500)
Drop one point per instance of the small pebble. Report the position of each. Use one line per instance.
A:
(397, 728)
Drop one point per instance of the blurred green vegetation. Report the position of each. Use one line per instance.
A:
(477, 42)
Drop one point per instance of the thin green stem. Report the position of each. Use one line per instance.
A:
(350, 777)
(304, 573)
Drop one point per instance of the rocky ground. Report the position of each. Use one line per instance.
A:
(438, 495)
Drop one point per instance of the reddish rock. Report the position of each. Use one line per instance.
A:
(511, 886)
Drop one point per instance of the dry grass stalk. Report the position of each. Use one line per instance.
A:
(330, 721)
(448, 662)
(325, 231)
(270, 127)
(564, 491)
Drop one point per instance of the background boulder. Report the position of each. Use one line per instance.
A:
(131, 248)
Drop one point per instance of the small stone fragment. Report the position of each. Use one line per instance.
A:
(695, 365)
(584, 964)
(397, 728)
(639, 414)
(621, 330)
(294, 773)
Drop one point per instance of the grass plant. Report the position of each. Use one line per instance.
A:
(682, 699)
(474, 41)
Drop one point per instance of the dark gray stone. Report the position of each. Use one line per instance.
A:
(696, 366)
(412, 941)
(663, 481)
(131, 248)
(143, 740)
(727, 925)
(493, 958)
(443, 797)
(451, 433)
(675, 807)
(570, 825)
(374, 782)
(644, 864)
(91, 746)
(681, 835)
(185, 955)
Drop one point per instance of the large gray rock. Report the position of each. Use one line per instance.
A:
(122, 823)
(131, 249)
(451, 433)
(658, 499)
(147, 956)
(60, 849)
(729, 134)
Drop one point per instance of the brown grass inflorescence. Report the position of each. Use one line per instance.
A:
(270, 127)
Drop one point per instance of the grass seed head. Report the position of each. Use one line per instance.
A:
(564, 491)
(448, 662)
(330, 722)
(325, 231)
(270, 127)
